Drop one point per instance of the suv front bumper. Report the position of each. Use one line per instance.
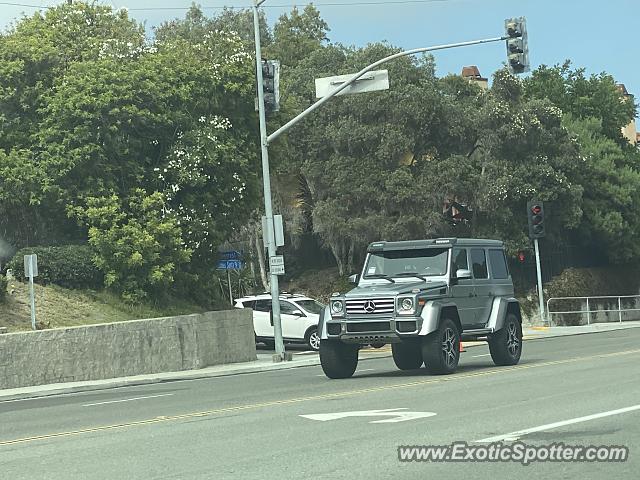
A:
(373, 329)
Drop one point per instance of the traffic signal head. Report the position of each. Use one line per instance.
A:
(271, 85)
(517, 47)
(536, 219)
(513, 27)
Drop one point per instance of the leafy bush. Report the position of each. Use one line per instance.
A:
(3, 289)
(70, 266)
(138, 242)
(584, 282)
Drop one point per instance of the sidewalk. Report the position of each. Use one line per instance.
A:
(264, 364)
(534, 332)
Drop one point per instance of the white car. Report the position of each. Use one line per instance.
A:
(299, 316)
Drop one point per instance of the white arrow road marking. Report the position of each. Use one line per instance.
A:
(397, 414)
(513, 436)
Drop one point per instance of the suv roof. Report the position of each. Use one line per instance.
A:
(434, 242)
(267, 296)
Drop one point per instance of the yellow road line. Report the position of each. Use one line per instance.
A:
(347, 393)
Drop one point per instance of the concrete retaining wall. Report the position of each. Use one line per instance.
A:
(126, 348)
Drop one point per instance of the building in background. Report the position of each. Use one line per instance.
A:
(629, 132)
(472, 74)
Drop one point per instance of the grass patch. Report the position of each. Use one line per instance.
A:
(61, 307)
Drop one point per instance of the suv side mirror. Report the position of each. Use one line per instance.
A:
(355, 278)
(463, 274)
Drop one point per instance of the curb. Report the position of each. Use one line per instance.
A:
(542, 336)
(223, 371)
(134, 381)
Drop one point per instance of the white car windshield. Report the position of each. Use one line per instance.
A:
(424, 262)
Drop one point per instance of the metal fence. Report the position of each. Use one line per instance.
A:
(593, 305)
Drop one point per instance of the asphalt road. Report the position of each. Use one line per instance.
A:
(251, 426)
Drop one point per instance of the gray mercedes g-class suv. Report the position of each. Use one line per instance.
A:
(424, 297)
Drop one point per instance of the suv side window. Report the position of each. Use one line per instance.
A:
(460, 261)
(262, 306)
(287, 307)
(499, 269)
(248, 304)
(479, 263)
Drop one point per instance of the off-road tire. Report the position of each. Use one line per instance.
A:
(506, 344)
(338, 360)
(407, 355)
(441, 349)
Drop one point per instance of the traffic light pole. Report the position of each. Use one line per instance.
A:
(366, 69)
(268, 208)
(539, 273)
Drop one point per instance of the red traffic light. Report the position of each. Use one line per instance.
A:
(536, 219)
(521, 257)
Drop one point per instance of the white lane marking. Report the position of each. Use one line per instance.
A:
(513, 436)
(128, 399)
(396, 414)
(483, 355)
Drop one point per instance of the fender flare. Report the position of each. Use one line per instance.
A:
(500, 308)
(323, 317)
(431, 316)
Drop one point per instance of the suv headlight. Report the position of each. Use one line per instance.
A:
(337, 307)
(406, 305)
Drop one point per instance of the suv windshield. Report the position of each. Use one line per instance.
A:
(425, 262)
(310, 306)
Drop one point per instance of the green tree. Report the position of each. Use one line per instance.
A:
(611, 181)
(35, 54)
(210, 182)
(297, 35)
(196, 25)
(363, 157)
(139, 244)
(381, 165)
(40, 49)
(582, 96)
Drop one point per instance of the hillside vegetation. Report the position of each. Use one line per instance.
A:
(61, 307)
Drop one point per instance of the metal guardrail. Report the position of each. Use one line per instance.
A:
(590, 301)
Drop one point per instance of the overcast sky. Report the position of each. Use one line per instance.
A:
(599, 35)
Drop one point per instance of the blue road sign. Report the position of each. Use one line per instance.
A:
(231, 255)
(230, 264)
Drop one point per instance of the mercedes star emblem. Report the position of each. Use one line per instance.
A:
(369, 306)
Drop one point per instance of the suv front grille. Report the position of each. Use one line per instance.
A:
(368, 327)
(370, 306)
